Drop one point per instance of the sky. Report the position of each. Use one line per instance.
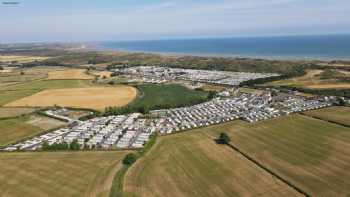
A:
(114, 20)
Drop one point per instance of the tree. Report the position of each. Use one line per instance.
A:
(45, 146)
(223, 139)
(74, 145)
(22, 73)
(211, 95)
(129, 159)
(1, 68)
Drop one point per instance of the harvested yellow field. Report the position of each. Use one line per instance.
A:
(57, 174)
(69, 74)
(20, 59)
(92, 98)
(312, 79)
(192, 164)
(103, 74)
(216, 88)
(329, 86)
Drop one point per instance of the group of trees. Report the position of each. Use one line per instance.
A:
(45, 63)
(61, 146)
(1, 68)
(296, 72)
(129, 159)
(125, 110)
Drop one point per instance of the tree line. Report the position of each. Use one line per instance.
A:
(61, 146)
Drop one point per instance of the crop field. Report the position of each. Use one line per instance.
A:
(17, 75)
(171, 95)
(14, 111)
(18, 91)
(59, 173)
(20, 59)
(312, 154)
(192, 164)
(93, 98)
(313, 79)
(70, 74)
(335, 114)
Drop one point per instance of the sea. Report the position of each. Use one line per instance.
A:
(316, 47)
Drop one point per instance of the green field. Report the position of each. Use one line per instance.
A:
(15, 129)
(334, 114)
(18, 91)
(172, 95)
(58, 174)
(192, 164)
(12, 130)
(311, 153)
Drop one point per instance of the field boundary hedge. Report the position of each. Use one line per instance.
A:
(329, 121)
(260, 165)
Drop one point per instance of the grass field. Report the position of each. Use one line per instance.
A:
(311, 153)
(58, 174)
(335, 114)
(192, 164)
(20, 59)
(14, 111)
(93, 98)
(15, 129)
(12, 130)
(172, 95)
(70, 74)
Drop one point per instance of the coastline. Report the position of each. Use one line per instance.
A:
(297, 48)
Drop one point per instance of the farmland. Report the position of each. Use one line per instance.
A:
(70, 74)
(18, 75)
(12, 130)
(58, 173)
(14, 111)
(93, 98)
(15, 129)
(334, 114)
(318, 79)
(310, 153)
(20, 59)
(18, 91)
(192, 164)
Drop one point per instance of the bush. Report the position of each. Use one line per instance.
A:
(129, 159)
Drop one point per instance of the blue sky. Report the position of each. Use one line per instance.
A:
(100, 20)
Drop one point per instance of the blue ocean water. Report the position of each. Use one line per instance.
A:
(325, 47)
